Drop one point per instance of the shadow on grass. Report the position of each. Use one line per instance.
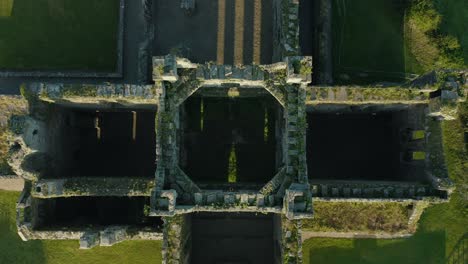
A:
(12, 248)
(368, 41)
(421, 248)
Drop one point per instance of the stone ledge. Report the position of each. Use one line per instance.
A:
(72, 187)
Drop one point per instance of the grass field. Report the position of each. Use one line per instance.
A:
(440, 228)
(368, 37)
(358, 217)
(455, 20)
(15, 251)
(58, 34)
(382, 40)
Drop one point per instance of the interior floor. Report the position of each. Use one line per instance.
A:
(229, 140)
(96, 211)
(118, 143)
(223, 31)
(232, 238)
(353, 147)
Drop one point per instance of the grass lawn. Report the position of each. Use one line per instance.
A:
(440, 228)
(382, 40)
(59, 34)
(368, 37)
(13, 250)
(455, 20)
(353, 217)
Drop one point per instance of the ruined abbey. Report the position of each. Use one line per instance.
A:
(226, 140)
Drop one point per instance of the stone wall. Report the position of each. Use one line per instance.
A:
(286, 29)
(358, 95)
(389, 190)
(177, 240)
(324, 73)
(73, 187)
(291, 241)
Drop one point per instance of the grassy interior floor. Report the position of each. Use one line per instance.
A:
(58, 34)
(61, 252)
(368, 38)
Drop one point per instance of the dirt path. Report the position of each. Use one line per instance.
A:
(11, 183)
(239, 31)
(221, 31)
(257, 31)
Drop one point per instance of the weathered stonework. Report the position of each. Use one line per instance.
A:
(172, 196)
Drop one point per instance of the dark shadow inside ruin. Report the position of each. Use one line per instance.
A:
(94, 211)
(366, 145)
(106, 143)
(235, 238)
(226, 32)
(231, 140)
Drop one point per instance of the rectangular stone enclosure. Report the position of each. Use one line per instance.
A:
(102, 143)
(234, 238)
(365, 144)
(79, 212)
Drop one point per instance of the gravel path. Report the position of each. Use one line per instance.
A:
(11, 183)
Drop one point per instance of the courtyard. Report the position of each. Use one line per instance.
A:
(223, 31)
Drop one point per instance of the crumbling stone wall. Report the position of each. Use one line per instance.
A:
(325, 71)
(177, 239)
(286, 29)
(291, 241)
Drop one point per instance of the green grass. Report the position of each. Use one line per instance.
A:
(58, 34)
(455, 19)
(440, 228)
(353, 217)
(368, 37)
(387, 40)
(15, 251)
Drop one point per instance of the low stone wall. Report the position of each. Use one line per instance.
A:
(286, 28)
(77, 73)
(373, 190)
(325, 59)
(291, 234)
(177, 239)
(411, 227)
(85, 93)
(91, 237)
(72, 187)
(357, 94)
